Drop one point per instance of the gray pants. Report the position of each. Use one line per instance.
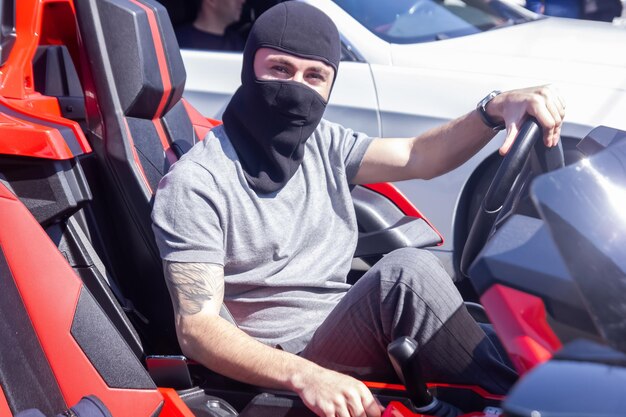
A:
(408, 293)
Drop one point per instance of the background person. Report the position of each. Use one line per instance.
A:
(210, 29)
(600, 10)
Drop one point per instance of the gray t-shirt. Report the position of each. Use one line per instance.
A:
(286, 254)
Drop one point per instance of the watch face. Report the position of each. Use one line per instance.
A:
(482, 111)
(490, 96)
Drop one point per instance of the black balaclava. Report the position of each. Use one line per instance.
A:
(269, 121)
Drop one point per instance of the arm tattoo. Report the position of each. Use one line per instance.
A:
(191, 285)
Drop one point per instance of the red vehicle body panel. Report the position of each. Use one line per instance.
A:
(520, 321)
(37, 140)
(4, 406)
(174, 405)
(397, 409)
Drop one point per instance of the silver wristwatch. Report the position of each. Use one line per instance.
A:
(481, 107)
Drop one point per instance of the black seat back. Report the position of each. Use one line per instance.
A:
(138, 125)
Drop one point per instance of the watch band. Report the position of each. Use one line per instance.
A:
(481, 107)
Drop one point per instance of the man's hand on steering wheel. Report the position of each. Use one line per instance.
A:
(527, 114)
(512, 107)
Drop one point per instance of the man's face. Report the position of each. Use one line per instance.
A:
(270, 64)
(229, 10)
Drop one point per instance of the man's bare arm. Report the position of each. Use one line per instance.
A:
(197, 291)
(194, 286)
(429, 155)
(446, 147)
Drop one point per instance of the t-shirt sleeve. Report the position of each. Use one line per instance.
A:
(186, 218)
(350, 146)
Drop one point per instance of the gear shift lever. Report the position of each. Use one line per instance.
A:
(401, 353)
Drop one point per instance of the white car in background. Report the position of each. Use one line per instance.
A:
(411, 65)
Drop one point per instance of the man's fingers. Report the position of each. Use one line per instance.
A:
(356, 408)
(372, 407)
(553, 138)
(552, 95)
(553, 108)
(561, 106)
(353, 399)
(556, 106)
(511, 133)
(342, 412)
(547, 122)
(323, 410)
(363, 404)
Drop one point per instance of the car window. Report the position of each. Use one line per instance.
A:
(414, 21)
(349, 54)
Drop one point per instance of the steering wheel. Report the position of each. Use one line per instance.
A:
(506, 187)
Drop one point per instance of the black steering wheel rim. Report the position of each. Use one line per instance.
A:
(529, 139)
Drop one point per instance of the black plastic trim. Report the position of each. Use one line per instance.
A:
(409, 232)
(105, 348)
(383, 226)
(149, 150)
(373, 210)
(203, 405)
(170, 371)
(55, 75)
(568, 388)
(599, 139)
(522, 255)
(51, 190)
(582, 350)
(270, 405)
(179, 129)
(582, 206)
(73, 242)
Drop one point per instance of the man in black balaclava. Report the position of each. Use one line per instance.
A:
(259, 217)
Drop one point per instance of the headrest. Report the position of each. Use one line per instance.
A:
(145, 60)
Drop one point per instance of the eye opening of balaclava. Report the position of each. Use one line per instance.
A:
(262, 60)
(269, 121)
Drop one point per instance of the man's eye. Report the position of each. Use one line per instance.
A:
(317, 77)
(280, 69)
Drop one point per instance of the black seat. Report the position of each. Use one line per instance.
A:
(138, 125)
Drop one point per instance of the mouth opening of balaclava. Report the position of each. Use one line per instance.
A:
(269, 121)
